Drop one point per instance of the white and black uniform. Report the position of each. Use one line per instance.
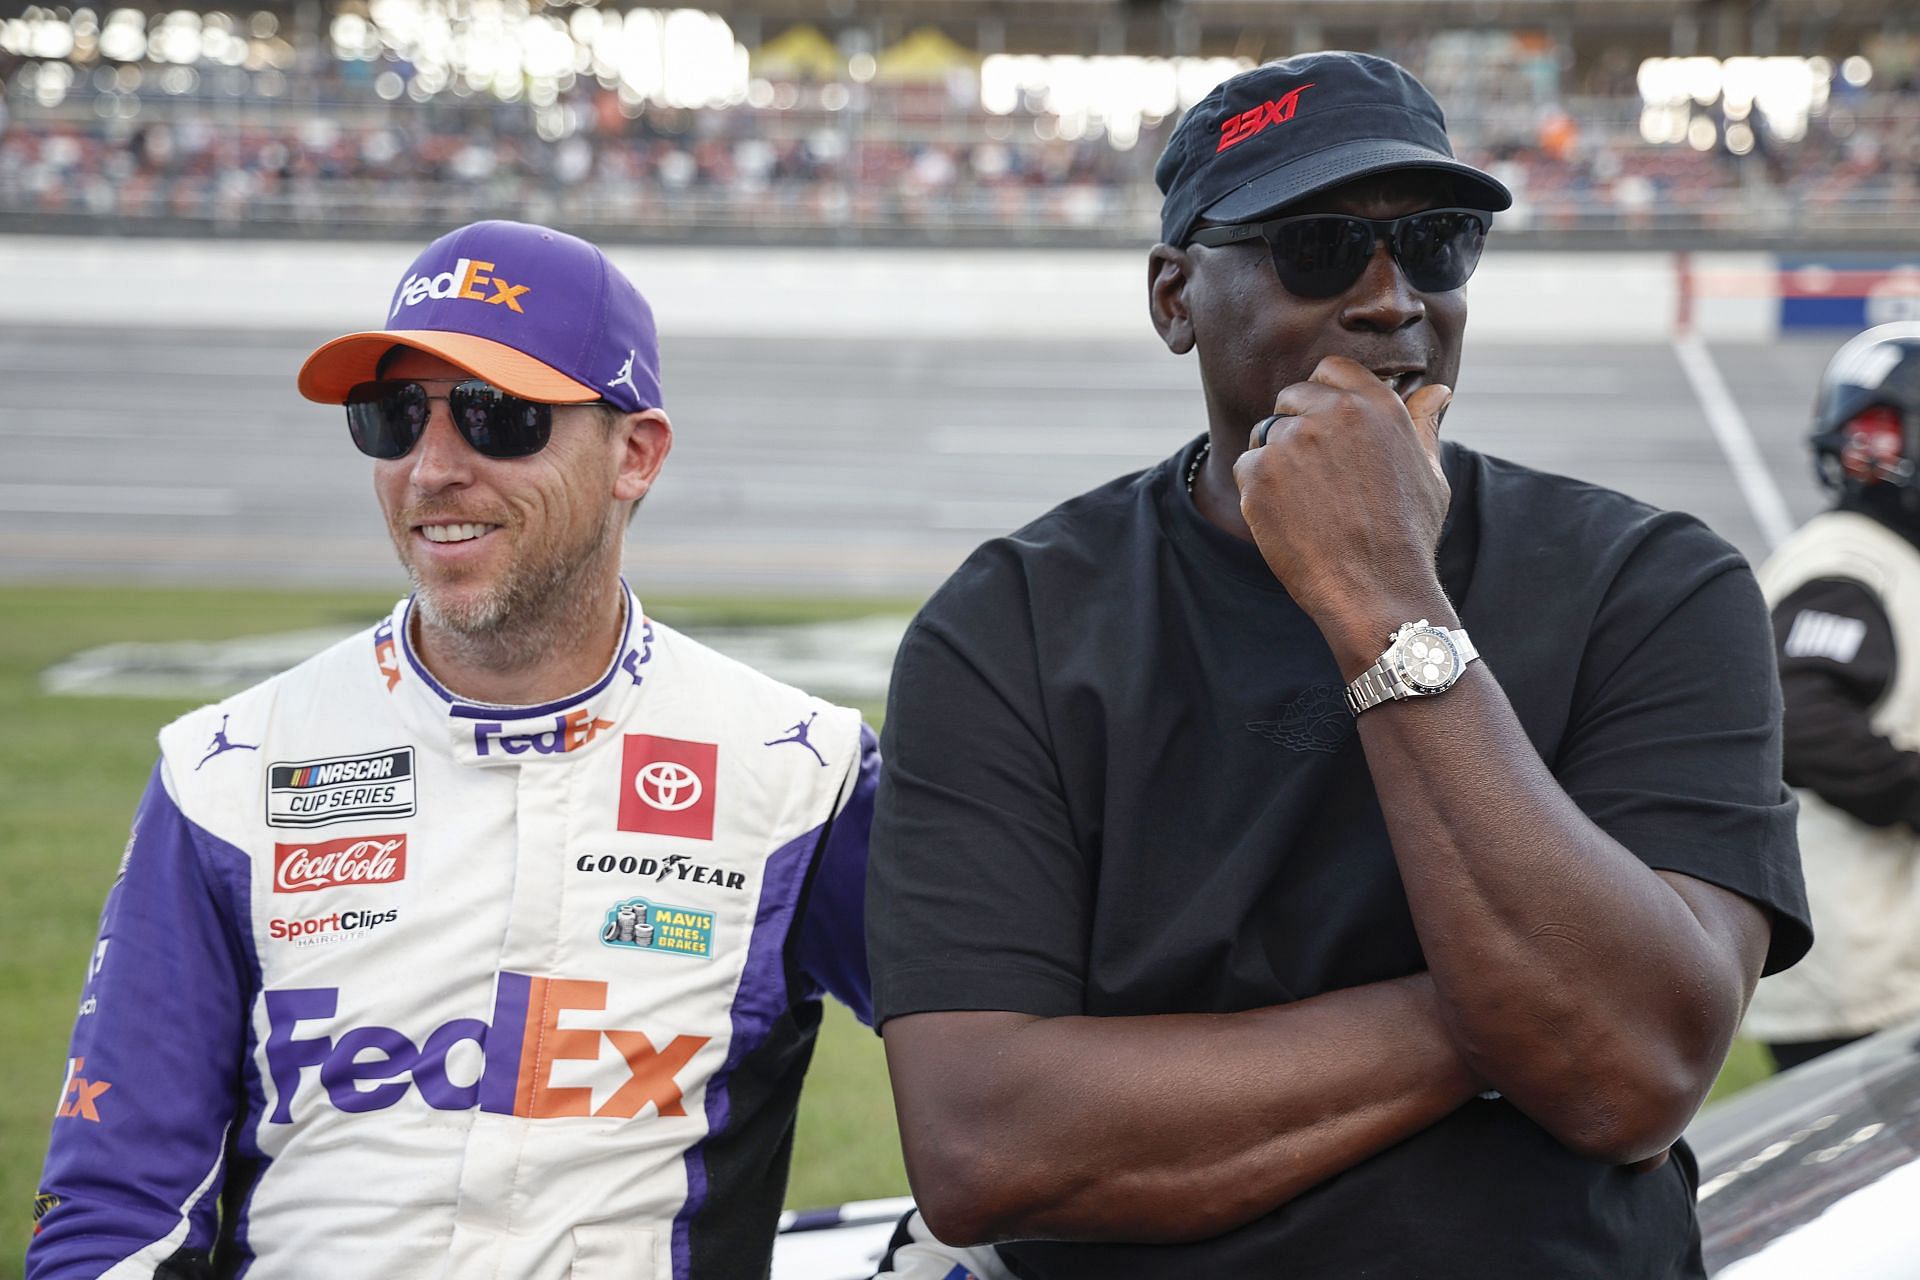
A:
(1845, 595)
(408, 986)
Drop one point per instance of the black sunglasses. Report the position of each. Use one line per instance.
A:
(386, 419)
(1320, 255)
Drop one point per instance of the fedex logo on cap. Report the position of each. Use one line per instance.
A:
(508, 1065)
(463, 280)
(1237, 129)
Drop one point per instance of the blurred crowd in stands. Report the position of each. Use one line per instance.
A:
(670, 170)
(345, 146)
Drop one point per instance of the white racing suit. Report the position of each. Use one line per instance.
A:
(914, 1254)
(1845, 590)
(391, 984)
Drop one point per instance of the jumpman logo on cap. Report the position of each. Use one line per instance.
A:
(626, 373)
(222, 744)
(798, 734)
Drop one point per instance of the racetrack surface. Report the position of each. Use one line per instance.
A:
(803, 466)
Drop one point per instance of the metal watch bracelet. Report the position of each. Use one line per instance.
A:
(1379, 683)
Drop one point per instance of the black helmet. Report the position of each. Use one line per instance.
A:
(1866, 419)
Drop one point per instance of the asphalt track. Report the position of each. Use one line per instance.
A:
(803, 466)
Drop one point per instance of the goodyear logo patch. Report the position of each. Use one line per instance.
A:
(313, 793)
(641, 925)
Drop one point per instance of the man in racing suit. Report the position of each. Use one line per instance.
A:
(490, 941)
(1845, 594)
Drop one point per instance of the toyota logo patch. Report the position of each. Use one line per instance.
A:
(668, 786)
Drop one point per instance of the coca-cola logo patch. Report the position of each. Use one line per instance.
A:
(302, 868)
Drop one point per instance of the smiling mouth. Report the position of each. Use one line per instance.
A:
(454, 532)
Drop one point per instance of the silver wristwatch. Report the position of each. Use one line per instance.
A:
(1420, 661)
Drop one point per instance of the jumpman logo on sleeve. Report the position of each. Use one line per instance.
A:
(626, 373)
(798, 734)
(222, 744)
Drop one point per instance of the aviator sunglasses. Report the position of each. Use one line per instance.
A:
(386, 419)
(1320, 255)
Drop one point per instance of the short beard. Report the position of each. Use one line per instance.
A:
(545, 605)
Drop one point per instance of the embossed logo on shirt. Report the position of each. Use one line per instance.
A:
(1317, 720)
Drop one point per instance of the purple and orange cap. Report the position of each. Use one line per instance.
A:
(536, 312)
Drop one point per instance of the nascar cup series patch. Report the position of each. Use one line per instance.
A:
(313, 793)
(641, 925)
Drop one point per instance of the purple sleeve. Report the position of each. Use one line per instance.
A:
(154, 1072)
(831, 942)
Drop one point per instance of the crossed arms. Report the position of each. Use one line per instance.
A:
(1599, 995)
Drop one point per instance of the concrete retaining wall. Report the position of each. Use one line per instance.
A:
(853, 293)
(1576, 298)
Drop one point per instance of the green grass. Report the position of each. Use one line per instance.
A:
(70, 772)
(1747, 1064)
(71, 769)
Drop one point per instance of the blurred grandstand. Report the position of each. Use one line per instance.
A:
(1770, 123)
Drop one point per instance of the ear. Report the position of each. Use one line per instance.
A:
(643, 441)
(1168, 271)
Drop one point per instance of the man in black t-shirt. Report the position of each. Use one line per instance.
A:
(1329, 852)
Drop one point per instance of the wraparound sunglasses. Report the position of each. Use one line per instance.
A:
(1320, 255)
(386, 419)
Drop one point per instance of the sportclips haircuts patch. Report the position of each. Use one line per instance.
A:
(313, 793)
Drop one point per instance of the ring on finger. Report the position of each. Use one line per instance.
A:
(1266, 424)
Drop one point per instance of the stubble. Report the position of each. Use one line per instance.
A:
(548, 601)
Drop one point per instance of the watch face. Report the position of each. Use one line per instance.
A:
(1428, 662)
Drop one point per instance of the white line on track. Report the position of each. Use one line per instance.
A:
(1764, 500)
(116, 500)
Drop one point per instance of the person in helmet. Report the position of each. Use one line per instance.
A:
(1845, 596)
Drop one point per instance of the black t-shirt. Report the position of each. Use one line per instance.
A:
(1121, 780)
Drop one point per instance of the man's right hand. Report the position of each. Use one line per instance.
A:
(1162, 1128)
(1346, 498)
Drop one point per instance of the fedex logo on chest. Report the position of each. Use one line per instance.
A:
(522, 1062)
(468, 278)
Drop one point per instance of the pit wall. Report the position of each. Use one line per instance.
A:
(882, 293)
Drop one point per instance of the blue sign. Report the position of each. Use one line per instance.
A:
(1842, 291)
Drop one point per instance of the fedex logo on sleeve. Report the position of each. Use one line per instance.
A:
(518, 1053)
(463, 280)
